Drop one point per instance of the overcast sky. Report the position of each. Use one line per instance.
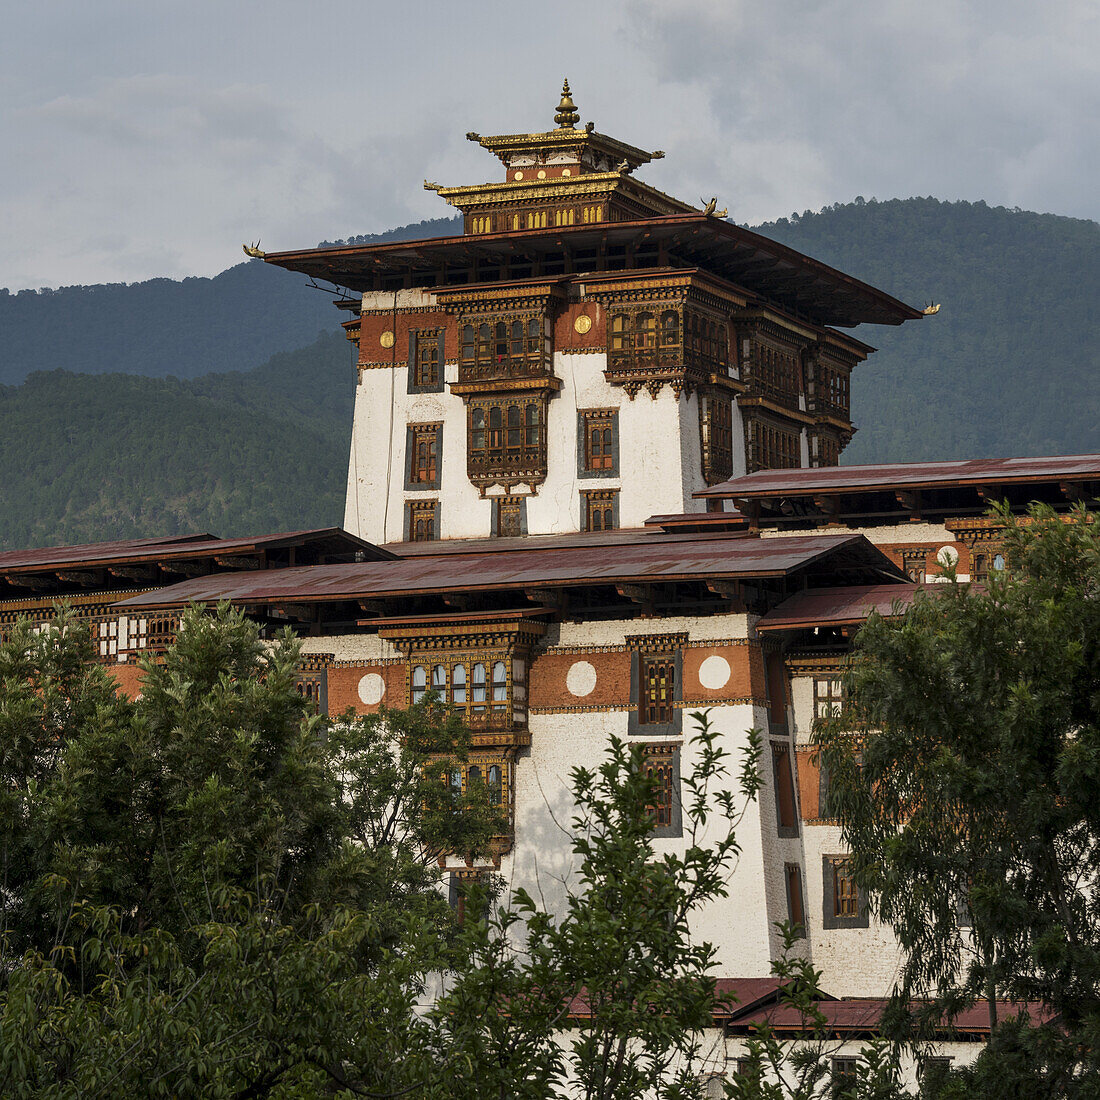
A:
(152, 138)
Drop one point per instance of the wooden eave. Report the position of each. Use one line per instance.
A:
(797, 284)
(504, 145)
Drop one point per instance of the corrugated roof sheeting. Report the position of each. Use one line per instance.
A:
(909, 475)
(662, 561)
(836, 606)
(178, 546)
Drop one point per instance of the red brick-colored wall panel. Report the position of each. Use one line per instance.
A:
(401, 324)
(128, 677)
(739, 685)
(343, 687)
(809, 784)
(932, 567)
(566, 337)
(547, 684)
(756, 672)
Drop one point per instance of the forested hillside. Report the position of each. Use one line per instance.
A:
(1011, 363)
(85, 457)
(233, 322)
(238, 442)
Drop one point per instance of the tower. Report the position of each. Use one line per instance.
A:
(589, 351)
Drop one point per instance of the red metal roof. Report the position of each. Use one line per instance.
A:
(660, 559)
(909, 475)
(860, 1015)
(168, 547)
(838, 606)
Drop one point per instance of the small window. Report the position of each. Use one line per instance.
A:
(598, 443)
(426, 361)
(828, 697)
(662, 764)
(458, 685)
(423, 520)
(418, 682)
(845, 1075)
(424, 445)
(932, 1071)
(599, 509)
(509, 517)
(500, 687)
(796, 915)
(843, 905)
(478, 684)
(658, 689)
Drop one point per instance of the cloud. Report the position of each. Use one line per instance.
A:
(153, 141)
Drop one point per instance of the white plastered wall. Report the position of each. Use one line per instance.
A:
(659, 468)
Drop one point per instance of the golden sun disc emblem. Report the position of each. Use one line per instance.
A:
(583, 324)
(386, 339)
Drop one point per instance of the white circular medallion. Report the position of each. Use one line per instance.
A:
(580, 679)
(371, 689)
(947, 555)
(714, 672)
(566, 172)
(518, 176)
(542, 174)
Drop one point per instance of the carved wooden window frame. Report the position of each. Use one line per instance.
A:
(499, 444)
(425, 362)
(421, 520)
(501, 346)
(599, 509)
(509, 517)
(424, 456)
(716, 436)
(662, 762)
(843, 905)
(496, 699)
(601, 448)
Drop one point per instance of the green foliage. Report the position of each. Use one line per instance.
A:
(85, 459)
(971, 800)
(619, 966)
(990, 374)
(261, 447)
(211, 891)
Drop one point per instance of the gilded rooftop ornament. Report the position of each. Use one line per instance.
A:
(567, 116)
(253, 250)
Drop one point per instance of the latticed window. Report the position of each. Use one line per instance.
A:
(774, 448)
(600, 509)
(502, 349)
(845, 891)
(423, 520)
(658, 689)
(506, 436)
(480, 688)
(424, 454)
(599, 440)
(828, 696)
(427, 368)
(717, 428)
(660, 765)
(509, 517)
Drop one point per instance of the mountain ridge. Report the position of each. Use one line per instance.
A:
(1010, 366)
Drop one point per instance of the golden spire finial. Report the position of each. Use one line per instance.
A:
(567, 116)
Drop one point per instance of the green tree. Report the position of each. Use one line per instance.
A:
(609, 999)
(970, 797)
(212, 891)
